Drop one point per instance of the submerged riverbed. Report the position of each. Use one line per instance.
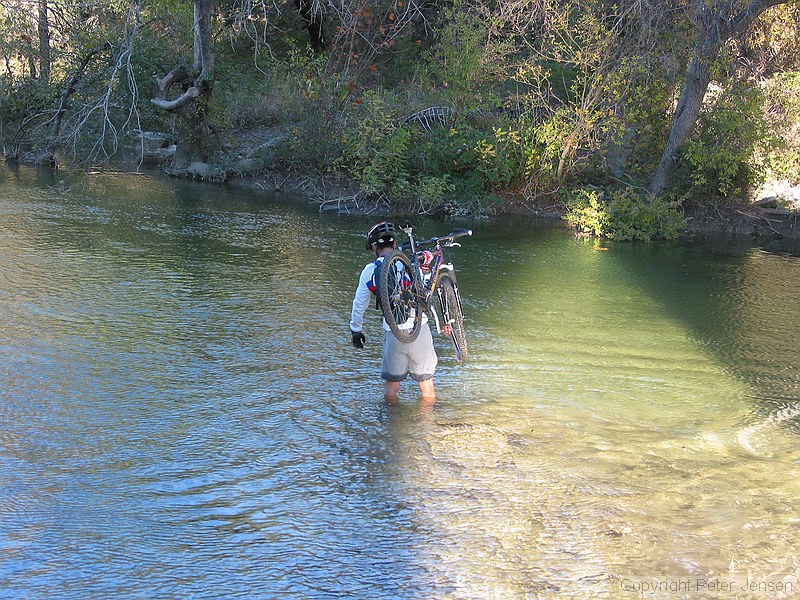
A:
(183, 416)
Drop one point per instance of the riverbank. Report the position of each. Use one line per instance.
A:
(774, 214)
(767, 217)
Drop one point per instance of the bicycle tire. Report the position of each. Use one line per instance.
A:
(450, 302)
(398, 293)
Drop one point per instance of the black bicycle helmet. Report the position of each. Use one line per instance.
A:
(381, 233)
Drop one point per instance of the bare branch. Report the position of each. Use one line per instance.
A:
(72, 86)
(178, 102)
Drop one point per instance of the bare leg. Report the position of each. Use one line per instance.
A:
(390, 390)
(428, 392)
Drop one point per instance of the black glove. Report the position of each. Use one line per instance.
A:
(358, 339)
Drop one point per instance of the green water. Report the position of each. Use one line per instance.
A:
(182, 414)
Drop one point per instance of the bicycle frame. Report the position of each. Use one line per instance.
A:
(437, 267)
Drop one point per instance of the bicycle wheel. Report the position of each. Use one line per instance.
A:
(398, 293)
(450, 301)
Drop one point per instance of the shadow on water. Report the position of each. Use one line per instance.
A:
(735, 298)
(739, 302)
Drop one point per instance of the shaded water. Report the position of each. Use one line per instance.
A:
(181, 414)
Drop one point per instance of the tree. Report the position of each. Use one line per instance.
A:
(44, 42)
(589, 81)
(311, 13)
(198, 84)
(716, 23)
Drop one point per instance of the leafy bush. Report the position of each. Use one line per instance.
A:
(284, 91)
(375, 149)
(384, 157)
(623, 214)
(467, 60)
(586, 211)
(634, 216)
(720, 158)
(501, 157)
(782, 110)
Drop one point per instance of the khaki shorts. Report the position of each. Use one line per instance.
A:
(417, 359)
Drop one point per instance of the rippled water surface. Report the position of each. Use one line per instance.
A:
(181, 414)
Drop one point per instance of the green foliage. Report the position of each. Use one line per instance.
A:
(771, 44)
(635, 136)
(431, 191)
(24, 97)
(452, 153)
(551, 137)
(782, 110)
(719, 157)
(282, 91)
(638, 217)
(623, 214)
(478, 162)
(592, 90)
(378, 154)
(453, 166)
(500, 160)
(586, 211)
(466, 60)
(297, 97)
(375, 149)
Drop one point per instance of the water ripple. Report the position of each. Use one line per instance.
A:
(182, 415)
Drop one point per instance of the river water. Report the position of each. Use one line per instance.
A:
(182, 415)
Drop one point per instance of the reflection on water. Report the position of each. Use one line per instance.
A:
(182, 415)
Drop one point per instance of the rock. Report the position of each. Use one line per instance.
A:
(770, 202)
(244, 166)
(153, 140)
(782, 193)
(204, 171)
(159, 155)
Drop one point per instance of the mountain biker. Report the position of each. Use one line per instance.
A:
(399, 360)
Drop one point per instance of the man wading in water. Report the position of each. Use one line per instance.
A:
(418, 358)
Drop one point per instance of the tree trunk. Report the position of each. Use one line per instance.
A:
(311, 13)
(203, 54)
(718, 25)
(199, 139)
(44, 42)
(686, 113)
(201, 143)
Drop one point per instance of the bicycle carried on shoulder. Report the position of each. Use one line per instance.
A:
(409, 279)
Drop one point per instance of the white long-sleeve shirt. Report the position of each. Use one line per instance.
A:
(363, 298)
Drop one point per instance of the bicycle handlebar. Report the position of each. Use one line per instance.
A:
(444, 240)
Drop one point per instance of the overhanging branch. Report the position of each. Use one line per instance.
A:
(178, 102)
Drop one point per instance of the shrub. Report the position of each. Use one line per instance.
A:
(500, 158)
(720, 158)
(375, 149)
(623, 214)
(634, 216)
(468, 58)
(288, 91)
(586, 211)
(385, 157)
(782, 110)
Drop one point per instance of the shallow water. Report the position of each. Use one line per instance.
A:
(182, 414)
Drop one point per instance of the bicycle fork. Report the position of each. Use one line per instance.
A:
(448, 320)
